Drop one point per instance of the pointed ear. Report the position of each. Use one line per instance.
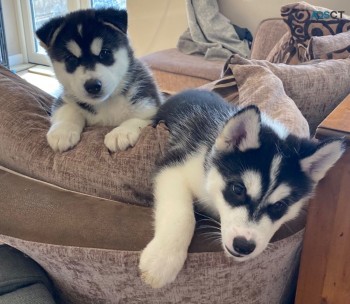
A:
(49, 31)
(241, 131)
(325, 156)
(114, 17)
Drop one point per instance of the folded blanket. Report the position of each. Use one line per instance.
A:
(210, 33)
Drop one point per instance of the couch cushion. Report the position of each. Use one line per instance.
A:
(173, 61)
(49, 224)
(44, 213)
(329, 47)
(316, 88)
(283, 50)
(269, 32)
(258, 85)
(88, 168)
(175, 71)
(90, 247)
(170, 83)
(245, 83)
(94, 275)
(302, 26)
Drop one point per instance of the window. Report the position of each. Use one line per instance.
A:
(37, 12)
(108, 3)
(3, 49)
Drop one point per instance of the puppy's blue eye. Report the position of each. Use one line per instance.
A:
(238, 189)
(277, 210)
(105, 55)
(71, 62)
(278, 206)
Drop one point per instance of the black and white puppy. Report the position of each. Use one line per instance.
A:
(103, 83)
(246, 170)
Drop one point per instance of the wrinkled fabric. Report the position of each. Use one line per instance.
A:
(316, 87)
(210, 33)
(88, 275)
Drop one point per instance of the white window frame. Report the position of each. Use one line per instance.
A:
(27, 34)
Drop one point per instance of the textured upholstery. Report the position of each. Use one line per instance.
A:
(172, 60)
(329, 47)
(87, 275)
(175, 71)
(269, 94)
(90, 248)
(310, 85)
(269, 32)
(44, 213)
(125, 175)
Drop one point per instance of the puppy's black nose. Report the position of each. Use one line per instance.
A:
(242, 246)
(93, 86)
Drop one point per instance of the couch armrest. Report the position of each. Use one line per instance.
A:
(337, 122)
(269, 32)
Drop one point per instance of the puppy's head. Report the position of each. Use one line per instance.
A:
(259, 177)
(90, 52)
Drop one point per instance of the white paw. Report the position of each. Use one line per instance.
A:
(63, 136)
(160, 265)
(122, 138)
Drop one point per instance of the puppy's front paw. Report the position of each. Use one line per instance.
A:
(160, 265)
(63, 136)
(122, 138)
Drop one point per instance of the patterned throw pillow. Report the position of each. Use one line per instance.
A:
(303, 25)
(283, 51)
(329, 47)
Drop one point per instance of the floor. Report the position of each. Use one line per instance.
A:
(43, 78)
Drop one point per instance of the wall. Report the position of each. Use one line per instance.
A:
(249, 13)
(155, 24)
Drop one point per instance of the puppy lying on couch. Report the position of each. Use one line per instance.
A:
(246, 170)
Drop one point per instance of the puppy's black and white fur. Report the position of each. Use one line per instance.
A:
(244, 169)
(103, 83)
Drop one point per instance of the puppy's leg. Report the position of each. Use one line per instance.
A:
(164, 256)
(66, 126)
(126, 135)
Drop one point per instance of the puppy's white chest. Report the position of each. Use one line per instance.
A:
(111, 112)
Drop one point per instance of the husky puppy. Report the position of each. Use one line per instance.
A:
(103, 83)
(244, 169)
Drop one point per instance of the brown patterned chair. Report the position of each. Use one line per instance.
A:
(84, 215)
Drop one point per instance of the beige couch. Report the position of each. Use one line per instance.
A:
(175, 71)
(84, 215)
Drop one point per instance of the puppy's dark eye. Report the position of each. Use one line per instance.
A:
(105, 55)
(277, 210)
(238, 189)
(71, 63)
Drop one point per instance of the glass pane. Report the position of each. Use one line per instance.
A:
(109, 3)
(43, 11)
(3, 49)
